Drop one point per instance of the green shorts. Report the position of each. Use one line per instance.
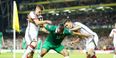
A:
(47, 45)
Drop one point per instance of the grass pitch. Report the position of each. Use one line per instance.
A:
(73, 54)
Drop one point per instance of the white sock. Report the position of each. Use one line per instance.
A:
(66, 57)
(114, 56)
(28, 50)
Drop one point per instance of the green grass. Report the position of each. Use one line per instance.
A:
(73, 54)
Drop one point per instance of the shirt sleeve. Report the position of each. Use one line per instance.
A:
(111, 34)
(50, 28)
(68, 32)
(77, 25)
(33, 15)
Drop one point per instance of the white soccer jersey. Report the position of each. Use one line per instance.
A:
(85, 30)
(31, 33)
(113, 35)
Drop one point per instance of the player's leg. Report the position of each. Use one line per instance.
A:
(90, 50)
(30, 50)
(95, 44)
(62, 51)
(31, 41)
(45, 49)
(114, 54)
(114, 49)
(43, 52)
(91, 53)
(65, 53)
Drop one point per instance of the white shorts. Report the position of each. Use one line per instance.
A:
(114, 43)
(31, 33)
(91, 42)
(90, 45)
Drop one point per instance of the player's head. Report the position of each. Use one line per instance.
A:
(39, 9)
(60, 28)
(68, 23)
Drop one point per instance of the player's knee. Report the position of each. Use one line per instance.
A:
(65, 53)
(43, 52)
(90, 52)
(34, 44)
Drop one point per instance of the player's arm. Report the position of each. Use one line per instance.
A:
(80, 34)
(44, 30)
(49, 27)
(111, 34)
(33, 18)
(69, 32)
(75, 28)
(38, 22)
(75, 41)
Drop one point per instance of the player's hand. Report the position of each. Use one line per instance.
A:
(85, 35)
(88, 36)
(72, 42)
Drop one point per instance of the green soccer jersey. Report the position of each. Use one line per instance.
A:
(55, 38)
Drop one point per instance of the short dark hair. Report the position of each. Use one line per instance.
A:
(61, 27)
(66, 20)
(40, 6)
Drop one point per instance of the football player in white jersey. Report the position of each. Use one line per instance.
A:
(113, 35)
(31, 34)
(91, 40)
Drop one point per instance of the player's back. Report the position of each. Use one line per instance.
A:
(83, 28)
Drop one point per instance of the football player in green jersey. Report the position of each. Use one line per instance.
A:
(54, 39)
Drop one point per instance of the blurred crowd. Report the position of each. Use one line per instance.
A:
(93, 19)
(104, 43)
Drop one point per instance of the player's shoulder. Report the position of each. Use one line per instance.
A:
(77, 22)
(114, 29)
(31, 12)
